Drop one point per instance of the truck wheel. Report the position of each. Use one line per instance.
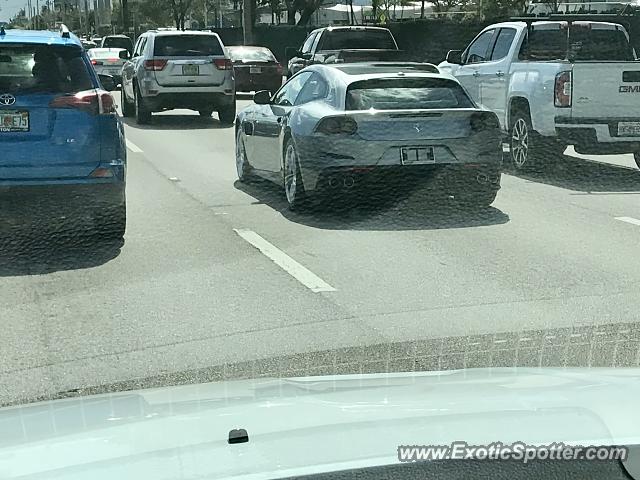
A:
(636, 156)
(529, 150)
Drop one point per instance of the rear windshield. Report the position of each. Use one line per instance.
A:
(104, 54)
(582, 44)
(187, 46)
(357, 39)
(251, 54)
(393, 93)
(116, 42)
(42, 68)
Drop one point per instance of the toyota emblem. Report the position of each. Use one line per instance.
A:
(7, 99)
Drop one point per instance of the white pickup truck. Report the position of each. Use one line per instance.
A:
(553, 84)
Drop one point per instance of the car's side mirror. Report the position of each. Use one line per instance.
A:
(454, 57)
(263, 97)
(124, 55)
(107, 82)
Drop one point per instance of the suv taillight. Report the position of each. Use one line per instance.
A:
(94, 102)
(155, 65)
(223, 64)
(337, 125)
(96, 62)
(563, 90)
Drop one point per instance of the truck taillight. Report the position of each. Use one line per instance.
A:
(223, 64)
(94, 102)
(155, 65)
(337, 125)
(563, 90)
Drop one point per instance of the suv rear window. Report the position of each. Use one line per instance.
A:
(407, 93)
(582, 44)
(187, 46)
(43, 68)
(117, 42)
(357, 39)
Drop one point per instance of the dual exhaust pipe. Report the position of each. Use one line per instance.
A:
(348, 181)
(483, 178)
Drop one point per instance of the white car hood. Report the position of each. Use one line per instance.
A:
(307, 425)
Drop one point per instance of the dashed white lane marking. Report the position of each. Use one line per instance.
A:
(284, 261)
(633, 221)
(133, 147)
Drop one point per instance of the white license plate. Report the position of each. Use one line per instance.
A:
(190, 70)
(629, 129)
(417, 155)
(255, 69)
(14, 121)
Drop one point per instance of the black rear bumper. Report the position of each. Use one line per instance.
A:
(191, 101)
(24, 202)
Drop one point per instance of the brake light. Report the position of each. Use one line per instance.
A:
(95, 62)
(482, 121)
(563, 90)
(94, 102)
(155, 65)
(223, 64)
(279, 69)
(337, 125)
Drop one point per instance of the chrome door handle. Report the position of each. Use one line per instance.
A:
(499, 73)
(476, 74)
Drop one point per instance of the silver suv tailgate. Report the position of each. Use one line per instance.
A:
(189, 60)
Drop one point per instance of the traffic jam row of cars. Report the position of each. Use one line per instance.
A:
(351, 109)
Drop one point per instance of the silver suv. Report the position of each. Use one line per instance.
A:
(174, 69)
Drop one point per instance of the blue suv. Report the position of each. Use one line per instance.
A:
(62, 144)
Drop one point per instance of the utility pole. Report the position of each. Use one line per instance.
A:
(206, 21)
(247, 22)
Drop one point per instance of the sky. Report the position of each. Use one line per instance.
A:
(8, 8)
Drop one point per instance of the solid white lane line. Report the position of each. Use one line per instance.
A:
(284, 261)
(133, 147)
(633, 221)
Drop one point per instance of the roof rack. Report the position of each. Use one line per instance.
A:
(64, 31)
(621, 18)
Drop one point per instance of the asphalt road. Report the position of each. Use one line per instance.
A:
(549, 276)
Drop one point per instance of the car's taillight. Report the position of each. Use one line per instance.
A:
(96, 62)
(94, 102)
(223, 64)
(337, 125)
(563, 90)
(279, 68)
(482, 121)
(155, 65)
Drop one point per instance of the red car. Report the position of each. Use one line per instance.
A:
(255, 68)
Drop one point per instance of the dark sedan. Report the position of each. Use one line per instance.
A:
(255, 68)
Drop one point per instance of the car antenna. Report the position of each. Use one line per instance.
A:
(64, 31)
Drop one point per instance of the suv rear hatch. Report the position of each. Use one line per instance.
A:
(189, 61)
(49, 124)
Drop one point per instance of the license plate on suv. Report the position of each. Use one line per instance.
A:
(190, 70)
(417, 155)
(14, 121)
(629, 129)
(255, 69)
